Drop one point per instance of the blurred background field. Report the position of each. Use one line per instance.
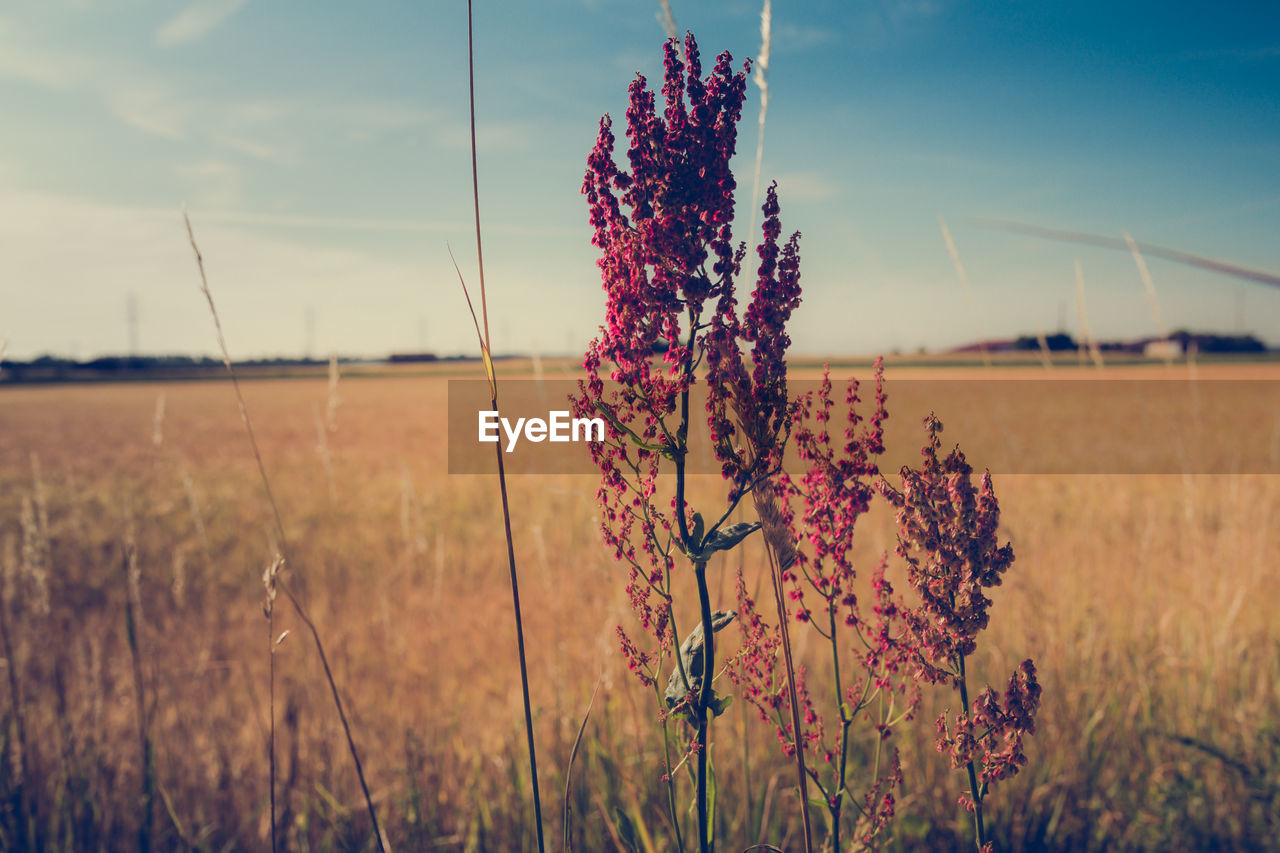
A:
(1147, 602)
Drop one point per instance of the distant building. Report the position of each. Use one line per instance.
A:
(1163, 349)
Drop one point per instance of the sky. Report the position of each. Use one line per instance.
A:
(322, 151)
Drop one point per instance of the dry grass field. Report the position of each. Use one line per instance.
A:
(1148, 603)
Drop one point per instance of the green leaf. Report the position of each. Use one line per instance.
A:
(488, 370)
(711, 805)
(691, 653)
(695, 534)
(723, 540)
(626, 830)
(823, 808)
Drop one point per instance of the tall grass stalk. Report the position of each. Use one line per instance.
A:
(964, 282)
(1175, 255)
(1046, 355)
(667, 20)
(781, 553)
(761, 79)
(568, 772)
(487, 352)
(283, 542)
(269, 580)
(1086, 333)
(132, 623)
(18, 754)
(1148, 286)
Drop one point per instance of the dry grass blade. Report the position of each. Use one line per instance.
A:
(761, 80)
(270, 580)
(568, 773)
(964, 281)
(132, 620)
(18, 751)
(667, 20)
(486, 349)
(781, 551)
(1234, 270)
(1086, 333)
(484, 342)
(1046, 355)
(1149, 286)
(283, 540)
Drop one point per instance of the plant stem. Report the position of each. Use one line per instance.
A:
(502, 476)
(271, 704)
(974, 791)
(147, 792)
(779, 596)
(666, 757)
(524, 669)
(19, 721)
(704, 701)
(294, 601)
(845, 721)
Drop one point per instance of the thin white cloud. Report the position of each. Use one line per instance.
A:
(306, 221)
(805, 187)
(257, 150)
(492, 136)
(196, 21)
(153, 109)
(270, 129)
(18, 61)
(344, 223)
(212, 183)
(791, 37)
(71, 263)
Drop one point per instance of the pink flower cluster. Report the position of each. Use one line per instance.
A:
(994, 733)
(869, 644)
(668, 266)
(947, 535)
(749, 414)
(679, 191)
(834, 491)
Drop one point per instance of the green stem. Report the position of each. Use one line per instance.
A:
(524, 667)
(704, 702)
(845, 721)
(666, 758)
(974, 791)
(779, 594)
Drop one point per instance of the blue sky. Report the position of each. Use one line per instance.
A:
(321, 148)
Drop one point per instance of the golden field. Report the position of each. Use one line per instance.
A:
(1147, 601)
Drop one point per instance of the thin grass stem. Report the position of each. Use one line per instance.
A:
(283, 540)
(486, 350)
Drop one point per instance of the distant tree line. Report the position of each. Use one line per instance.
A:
(1204, 342)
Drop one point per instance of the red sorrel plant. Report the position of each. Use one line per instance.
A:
(868, 654)
(668, 265)
(948, 538)
(947, 535)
